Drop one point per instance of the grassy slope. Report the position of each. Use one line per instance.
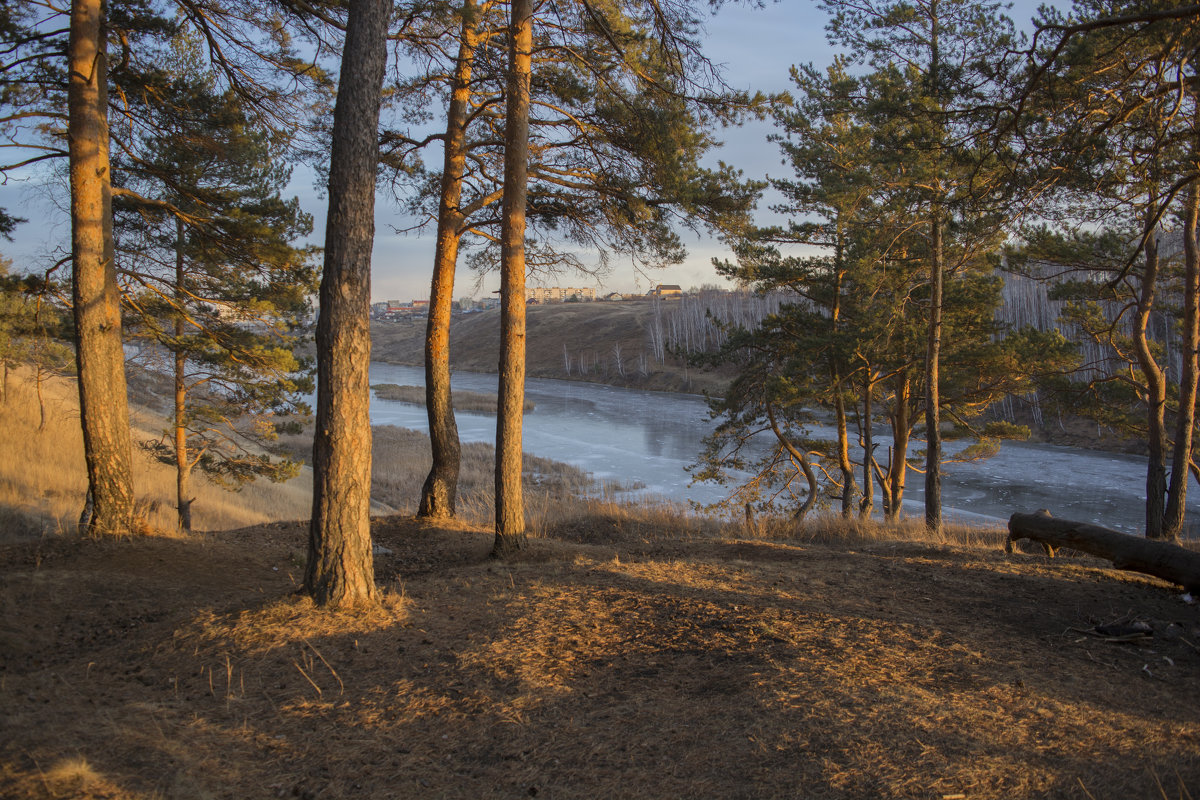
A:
(588, 330)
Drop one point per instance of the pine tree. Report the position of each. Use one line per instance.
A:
(215, 280)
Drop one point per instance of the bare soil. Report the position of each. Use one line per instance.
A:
(611, 659)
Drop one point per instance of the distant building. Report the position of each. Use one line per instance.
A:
(558, 294)
(613, 296)
(666, 290)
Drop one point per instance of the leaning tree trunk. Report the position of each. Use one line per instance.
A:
(1185, 418)
(800, 459)
(933, 400)
(340, 572)
(1155, 396)
(1160, 559)
(440, 491)
(510, 505)
(99, 357)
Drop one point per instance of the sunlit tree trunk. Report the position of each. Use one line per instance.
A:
(868, 442)
(933, 400)
(439, 493)
(510, 506)
(898, 463)
(1185, 419)
(340, 571)
(183, 464)
(100, 359)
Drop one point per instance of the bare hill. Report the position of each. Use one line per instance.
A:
(574, 341)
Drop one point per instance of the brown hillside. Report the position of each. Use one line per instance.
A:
(589, 331)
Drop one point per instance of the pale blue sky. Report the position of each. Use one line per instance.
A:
(756, 47)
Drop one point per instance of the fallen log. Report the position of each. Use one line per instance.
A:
(1134, 553)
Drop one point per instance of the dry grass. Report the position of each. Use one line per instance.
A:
(614, 658)
(479, 402)
(43, 481)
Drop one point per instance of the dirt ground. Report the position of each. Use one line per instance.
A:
(608, 662)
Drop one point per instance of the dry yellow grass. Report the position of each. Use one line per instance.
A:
(43, 480)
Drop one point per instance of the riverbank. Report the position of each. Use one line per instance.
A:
(592, 342)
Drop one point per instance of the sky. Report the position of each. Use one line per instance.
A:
(755, 47)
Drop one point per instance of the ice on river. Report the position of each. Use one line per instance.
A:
(646, 439)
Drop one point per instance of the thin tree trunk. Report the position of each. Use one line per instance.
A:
(800, 459)
(39, 379)
(898, 462)
(849, 485)
(183, 464)
(933, 416)
(510, 506)
(1156, 398)
(99, 357)
(340, 571)
(1186, 416)
(439, 494)
(868, 440)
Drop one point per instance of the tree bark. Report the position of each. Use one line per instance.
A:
(933, 400)
(99, 356)
(183, 464)
(1186, 416)
(340, 571)
(898, 462)
(510, 505)
(439, 494)
(1155, 396)
(801, 460)
(1160, 559)
(868, 442)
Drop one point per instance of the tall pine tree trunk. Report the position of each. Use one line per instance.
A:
(1186, 417)
(99, 357)
(933, 400)
(1155, 396)
(510, 505)
(898, 463)
(340, 571)
(868, 442)
(440, 491)
(183, 464)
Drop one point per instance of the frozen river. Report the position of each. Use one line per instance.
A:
(646, 439)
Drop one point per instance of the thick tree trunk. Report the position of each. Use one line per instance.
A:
(340, 571)
(1155, 396)
(99, 357)
(438, 495)
(933, 400)
(1160, 559)
(183, 464)
(510, 505)
(1186, 416)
